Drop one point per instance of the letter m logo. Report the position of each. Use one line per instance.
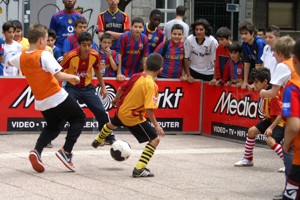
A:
(26, 96)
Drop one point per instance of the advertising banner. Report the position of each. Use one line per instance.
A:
(179, 106)
(230, 111)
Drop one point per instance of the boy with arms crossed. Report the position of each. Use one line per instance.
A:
(134, 99)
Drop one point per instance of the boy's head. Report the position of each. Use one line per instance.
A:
(69, 4)
(85, 41)
(272, 34)
(106, 40)
(176, 33)
(8, 31)
(247, 31)
(260, 77)
(180, 11)
(296, 57)
(283, 48)
(155, 17)
(261, 32)
(80, 25)
(137, 26)
(223, 35)
(18, 29)
(154, 62)
(235, 51)
(38, 35)
(201, 27)
(51, 37)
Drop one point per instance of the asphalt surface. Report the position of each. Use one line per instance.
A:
(185, 167)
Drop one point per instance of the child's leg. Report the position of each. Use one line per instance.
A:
(250, 142)
(147, 153)
(275, 140)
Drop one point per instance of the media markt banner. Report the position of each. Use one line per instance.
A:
(179, 106)
(229, 112)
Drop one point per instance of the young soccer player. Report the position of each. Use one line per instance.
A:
(11, 48)
(154, 34)
(108, 58)
(42, 73)
(132, 50)
(252, 50)
(291, 111)
(84, 61)
(134, 99)
(222, 53)
(51, 43)
(269, 61)
(272, 126)
(234, 71)
(71, 42)
(173, 53)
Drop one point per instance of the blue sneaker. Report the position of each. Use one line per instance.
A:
(66, 159)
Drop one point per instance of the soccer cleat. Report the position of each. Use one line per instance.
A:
(141, 173)
(66, 159)
(109, 141)
(36, 161)
(244, 163)
(96, 144)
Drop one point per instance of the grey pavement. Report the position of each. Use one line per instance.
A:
(185, 167)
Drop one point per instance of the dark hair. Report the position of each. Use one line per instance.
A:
(154, 62)
(106, 36)
(7, 25)
(17, 24)
(155, 12)
(223, 32)
(85, 36)
(80, 20)
(35, 32)
(205, 24)
(260, 74)
(51, 33)
(262, 30)
(180, 11)
(247, 26)
(177, 27)
(296, 50)
(137, 20)
(274, 29)
(235, 47)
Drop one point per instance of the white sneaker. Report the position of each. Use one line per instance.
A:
(244, 163)
(282, 169)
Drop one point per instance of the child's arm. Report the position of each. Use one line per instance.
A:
(291, 131)
(120, 76)
(144, 60)
(118, 96)
(111, 60)
(152, 118)
(271, 93)
(62, 76)
(246, 75)
(270, 129)
(103, 91)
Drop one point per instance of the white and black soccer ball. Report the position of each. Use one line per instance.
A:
(120, 150)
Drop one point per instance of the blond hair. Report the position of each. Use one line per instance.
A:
(35, 32)
(285, 46)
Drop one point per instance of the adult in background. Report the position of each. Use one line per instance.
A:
(180, 12)
(200, 52)
(63, 22)
(113, 21)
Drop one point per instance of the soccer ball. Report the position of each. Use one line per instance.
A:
(120, 150)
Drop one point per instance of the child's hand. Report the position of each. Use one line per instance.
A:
(76, 79)
(268, 132)
(107, 51)
(159, 130)
(120, 77)
(114, 102)
(213, 82)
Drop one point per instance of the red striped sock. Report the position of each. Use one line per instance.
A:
(278, 149)
(248, 153)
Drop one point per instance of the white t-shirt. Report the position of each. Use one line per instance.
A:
(49, 64)
(169, 25)
(202, 57)
(9, 51)
(282, 75)
(268, 59)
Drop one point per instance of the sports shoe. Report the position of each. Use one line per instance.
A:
(36, 161)
(96, 144)
(109, 141)
(282, 169)
(49, 145)
(244, 163)
(66, 159)
(278, 196)
(142, 173)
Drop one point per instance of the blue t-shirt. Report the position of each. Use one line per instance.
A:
(252, 53)
(1, 69)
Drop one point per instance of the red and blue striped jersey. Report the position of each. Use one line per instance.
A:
(63, 24)
(132, 51)
(109, 72)
(173, 59)
(116, 22)
(72, 43)
(154, 37)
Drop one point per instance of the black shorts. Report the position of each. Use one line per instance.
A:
(143, 132)
(278, 131)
